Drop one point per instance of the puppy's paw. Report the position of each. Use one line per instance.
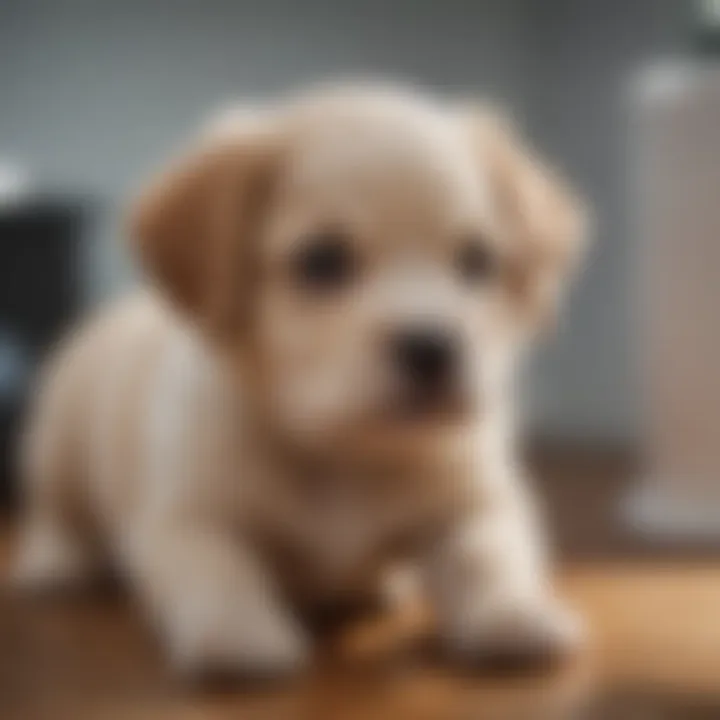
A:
(245, 644)
(518, 633)
(49, 559)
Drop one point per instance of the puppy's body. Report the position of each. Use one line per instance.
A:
(136, 408)
(237, 462)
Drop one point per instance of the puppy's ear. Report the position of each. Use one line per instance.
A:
(545, 222)
(193, 225)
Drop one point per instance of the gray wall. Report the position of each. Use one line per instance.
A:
(93, 93)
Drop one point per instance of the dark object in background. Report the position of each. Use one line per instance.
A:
(39, 243)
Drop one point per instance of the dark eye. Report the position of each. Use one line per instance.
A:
(325, 262)
(476, 262)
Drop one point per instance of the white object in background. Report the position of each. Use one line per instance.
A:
(709, 13)
(14, 183)
(675, 154)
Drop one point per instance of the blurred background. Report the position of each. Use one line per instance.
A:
(623, 95)
(93, 95)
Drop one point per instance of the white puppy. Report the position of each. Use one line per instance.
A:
(318, 386)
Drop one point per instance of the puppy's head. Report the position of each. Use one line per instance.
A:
(374, 261)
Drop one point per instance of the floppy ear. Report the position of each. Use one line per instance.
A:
(545, 222)
(193, 225)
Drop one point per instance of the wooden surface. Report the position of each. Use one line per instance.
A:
(654, 654)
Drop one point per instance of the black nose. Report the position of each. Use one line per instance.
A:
(426, 356)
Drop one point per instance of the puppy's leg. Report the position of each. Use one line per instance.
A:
(56, 544)
(214, 603)
(488, 583)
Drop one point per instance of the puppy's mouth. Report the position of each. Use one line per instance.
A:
(425, 407)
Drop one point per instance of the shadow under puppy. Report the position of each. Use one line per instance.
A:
(318, 383)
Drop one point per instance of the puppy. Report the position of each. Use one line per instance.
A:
(316, 384)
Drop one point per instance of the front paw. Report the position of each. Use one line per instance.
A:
(49, 558)
(245, 644)
(516, 633)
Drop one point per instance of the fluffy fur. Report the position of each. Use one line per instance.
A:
(227, 437)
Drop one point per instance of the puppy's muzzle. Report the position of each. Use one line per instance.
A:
(426, 360)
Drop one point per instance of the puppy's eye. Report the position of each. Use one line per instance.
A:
(476, 262)
(325, 262)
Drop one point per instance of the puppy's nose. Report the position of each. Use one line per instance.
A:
(427, 356)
